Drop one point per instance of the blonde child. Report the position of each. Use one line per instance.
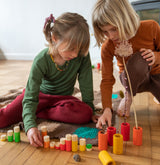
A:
(48, 93)
(117, 24)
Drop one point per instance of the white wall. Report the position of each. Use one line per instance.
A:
(21, 24)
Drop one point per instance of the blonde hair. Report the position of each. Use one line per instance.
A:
(118, 13)
(70, 28)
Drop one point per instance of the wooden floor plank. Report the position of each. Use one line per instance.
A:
(51, 156)
(24, 155)
(131, 160)
(13, 153)
(5, 147)
(36, 157)
(62, 158)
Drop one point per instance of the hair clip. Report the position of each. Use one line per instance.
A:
(51, 19)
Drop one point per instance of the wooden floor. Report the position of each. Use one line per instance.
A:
(14, 74)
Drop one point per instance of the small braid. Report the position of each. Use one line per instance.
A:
(47, 29)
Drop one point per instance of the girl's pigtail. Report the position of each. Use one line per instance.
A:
(47, 29)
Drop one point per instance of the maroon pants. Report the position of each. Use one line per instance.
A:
(140, 77)
(55, 107)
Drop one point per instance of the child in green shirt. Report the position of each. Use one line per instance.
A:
(54, 71)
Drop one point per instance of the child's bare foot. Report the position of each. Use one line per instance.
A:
(124, 110)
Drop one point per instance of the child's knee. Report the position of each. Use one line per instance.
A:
(138, 65)
(86, 113)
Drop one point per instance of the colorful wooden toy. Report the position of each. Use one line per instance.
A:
(17, 134)
(102, 140)
(57, 145)
(121, 94)
(68, 142)
(111, 131)
(63, 144)
(46, 140)
(3, 137)
(10, 135)
(98, 66)
(43, 131)
(74, 143)
(93, 67)
(137, 136)
(114, 96)
(118, 144)
(82, 144)
(105, 158)
(52, 144)
(89, 147)
(125, 131)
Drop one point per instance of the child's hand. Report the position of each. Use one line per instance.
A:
(34, 137)
(105, 117)
(95, 118)
(148, 55)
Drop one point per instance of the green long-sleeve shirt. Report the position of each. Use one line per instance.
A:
(45, 77)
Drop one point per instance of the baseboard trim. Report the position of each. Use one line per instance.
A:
(17, 56)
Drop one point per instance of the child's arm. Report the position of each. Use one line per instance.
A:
(105, 117)
(106, 83)
(156, 33)
(31, 97)
(108, 79)
(86, 81)
(153, 57)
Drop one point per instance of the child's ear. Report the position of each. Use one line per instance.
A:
(54, 38)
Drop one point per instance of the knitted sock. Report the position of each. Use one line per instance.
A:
(124, 106)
